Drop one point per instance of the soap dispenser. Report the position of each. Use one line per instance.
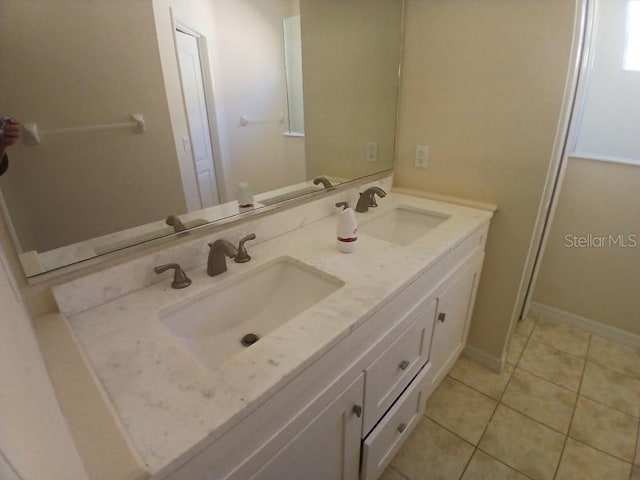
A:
(347, 229)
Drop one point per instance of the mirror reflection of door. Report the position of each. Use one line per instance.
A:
(197, 118)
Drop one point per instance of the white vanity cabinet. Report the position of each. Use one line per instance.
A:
(349, 412)
(455, 306)
(328, 447)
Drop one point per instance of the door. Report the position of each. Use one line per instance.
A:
(328, 448)
(197, 117)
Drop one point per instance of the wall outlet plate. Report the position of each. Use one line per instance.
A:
(372, 152)
(422, 156)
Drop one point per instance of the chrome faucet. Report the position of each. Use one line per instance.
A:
(217, 263)
(174, 221)
(326, 184)
(368, 198)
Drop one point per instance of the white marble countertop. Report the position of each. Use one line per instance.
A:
(168, 403)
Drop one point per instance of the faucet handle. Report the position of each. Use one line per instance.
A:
(243, 256)
(180, 279)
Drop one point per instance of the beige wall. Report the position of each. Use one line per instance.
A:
(69, 63)
(350, 56)
(600, 284)
(482, 87)
(33, 433)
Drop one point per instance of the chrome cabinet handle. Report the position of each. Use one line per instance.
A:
(403, 365)
(442, 317)
(402, 427)
(357, 409)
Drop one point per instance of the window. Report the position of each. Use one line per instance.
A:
(610, 118)
(632, 50)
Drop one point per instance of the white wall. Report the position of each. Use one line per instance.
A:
(610, 121)
(33, 433)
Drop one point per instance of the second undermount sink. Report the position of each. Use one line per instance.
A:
(403, 225)
(220, 323)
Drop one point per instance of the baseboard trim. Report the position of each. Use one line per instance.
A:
(483, 358)
(592, 326)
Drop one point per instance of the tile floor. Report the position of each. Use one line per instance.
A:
(566, 407)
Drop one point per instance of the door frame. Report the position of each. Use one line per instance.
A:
(575, 90)
(207, 81)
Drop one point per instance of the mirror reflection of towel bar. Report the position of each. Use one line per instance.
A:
(32, 132)
(244, 121)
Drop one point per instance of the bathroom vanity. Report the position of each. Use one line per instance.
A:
(328, 392)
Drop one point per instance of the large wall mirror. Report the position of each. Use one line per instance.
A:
(145, 117)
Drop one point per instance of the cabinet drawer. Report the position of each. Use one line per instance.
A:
(391, 372)
(386, 439)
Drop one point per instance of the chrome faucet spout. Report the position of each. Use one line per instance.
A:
(326, 184)
(218, 251)
(368, 199)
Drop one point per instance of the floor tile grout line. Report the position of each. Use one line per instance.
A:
(499, 402)
(553, 347)
(449, 430)
(637, 379)
(578, 396)
(495, 409)
(608, 367)
(575, 391)
(540, 377)
(503, 463)
(601, 451)
(613, 455)
(573, 414)
(602, 404)
(475, 447)
(472, 388)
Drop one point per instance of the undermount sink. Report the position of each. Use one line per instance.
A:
(403, 225)
(219, 324)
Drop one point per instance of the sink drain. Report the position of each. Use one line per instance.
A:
(249, 339)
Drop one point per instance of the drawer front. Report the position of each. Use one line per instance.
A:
(392, 371)
(386, 439)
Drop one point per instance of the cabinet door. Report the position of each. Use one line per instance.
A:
(455, 306)
(328, 448)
